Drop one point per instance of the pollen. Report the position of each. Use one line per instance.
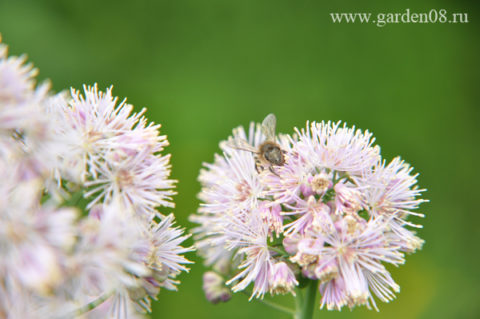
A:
(320, 183)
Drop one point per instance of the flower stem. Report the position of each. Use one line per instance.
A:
(274, 305)
(277, 250)
(277, 306)
(91, 305)
(305, 302)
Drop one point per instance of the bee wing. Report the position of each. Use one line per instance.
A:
(268, 126)
(240, 144)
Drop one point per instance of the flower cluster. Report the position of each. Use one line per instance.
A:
(333, 213)
(82, 179)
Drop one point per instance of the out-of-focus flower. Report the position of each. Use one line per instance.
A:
(214, 288)
(23, 124)
(63, 256)
(334, 212)
(33, 238)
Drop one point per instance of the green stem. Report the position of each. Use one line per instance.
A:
(305, 303)
(298, 303)
(277, 306)
(277, 250)
(92, 305)
(274, 305)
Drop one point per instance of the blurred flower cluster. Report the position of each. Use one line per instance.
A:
(81, 179)
(331, 212)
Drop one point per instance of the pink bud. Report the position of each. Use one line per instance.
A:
(214, 288)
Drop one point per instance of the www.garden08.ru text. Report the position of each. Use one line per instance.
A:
(432, 16)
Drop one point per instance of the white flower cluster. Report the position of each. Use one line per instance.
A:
(324, 208)
(82, 177)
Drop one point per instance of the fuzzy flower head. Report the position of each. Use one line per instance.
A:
(83, 177)
(332, 211)
(112, 151)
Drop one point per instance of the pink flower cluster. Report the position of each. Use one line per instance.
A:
(82, 178)
(334, 212)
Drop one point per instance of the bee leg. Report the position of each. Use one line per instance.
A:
(258, 166)
(273, 171)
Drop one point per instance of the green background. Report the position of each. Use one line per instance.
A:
(204, 67)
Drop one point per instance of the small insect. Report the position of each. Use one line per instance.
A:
(269, 153)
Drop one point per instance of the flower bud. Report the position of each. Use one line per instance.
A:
(214, 288)
(282, 279)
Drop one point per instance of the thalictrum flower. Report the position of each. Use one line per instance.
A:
(333, 213)
(63, 256)
(113, 152)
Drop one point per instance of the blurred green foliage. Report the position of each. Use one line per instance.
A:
(204, 67)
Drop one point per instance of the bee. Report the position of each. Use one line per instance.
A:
(269, 153)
